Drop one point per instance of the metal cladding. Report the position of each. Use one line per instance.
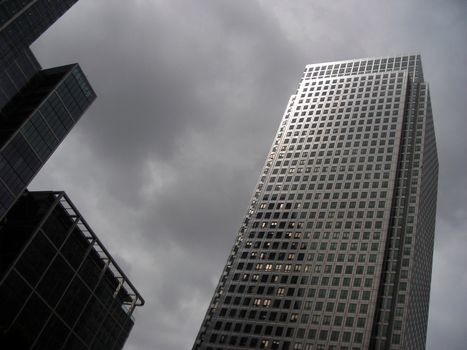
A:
(336, 249)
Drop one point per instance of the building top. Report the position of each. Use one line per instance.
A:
(376, 60)
(39, 209)
(60, 287)
(34, 122)
(22, 22)
(411, 62)
(68, 83)
(130, 296)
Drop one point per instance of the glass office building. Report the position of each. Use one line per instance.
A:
(59, 287)
(34, 122)
(336, 249)
(23, 21)
(37, 107)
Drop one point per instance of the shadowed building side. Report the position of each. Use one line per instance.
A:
(34, 122)
(37, 107)
(22, 22)
(59, 287)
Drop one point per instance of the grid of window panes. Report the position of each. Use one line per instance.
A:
(420, 272)
(410, 63)
(17, 75)
(304, 271)
(58, 287)
(403, 310)
(400, 299)
(33, 125)
(23, 21)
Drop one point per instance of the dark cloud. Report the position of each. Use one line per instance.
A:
(189, 97)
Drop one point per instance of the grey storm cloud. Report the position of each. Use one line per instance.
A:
(190, 94)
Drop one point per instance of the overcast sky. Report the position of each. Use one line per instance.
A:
(190, 94)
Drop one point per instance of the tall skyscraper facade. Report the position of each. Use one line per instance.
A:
(336, 249)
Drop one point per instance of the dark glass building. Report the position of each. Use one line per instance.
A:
(336, 249)
(59, 286)
(37, 107)
(34, 122)
(23, 21)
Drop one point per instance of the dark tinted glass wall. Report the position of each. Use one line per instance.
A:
(17, 75)
(33, 124)
(23, 21)
(58, 286)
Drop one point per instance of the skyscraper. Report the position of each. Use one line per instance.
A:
(34, 122)
(336, 249)
(37, 107)
(59, 287)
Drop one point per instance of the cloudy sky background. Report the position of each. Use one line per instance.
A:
(190, 94)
